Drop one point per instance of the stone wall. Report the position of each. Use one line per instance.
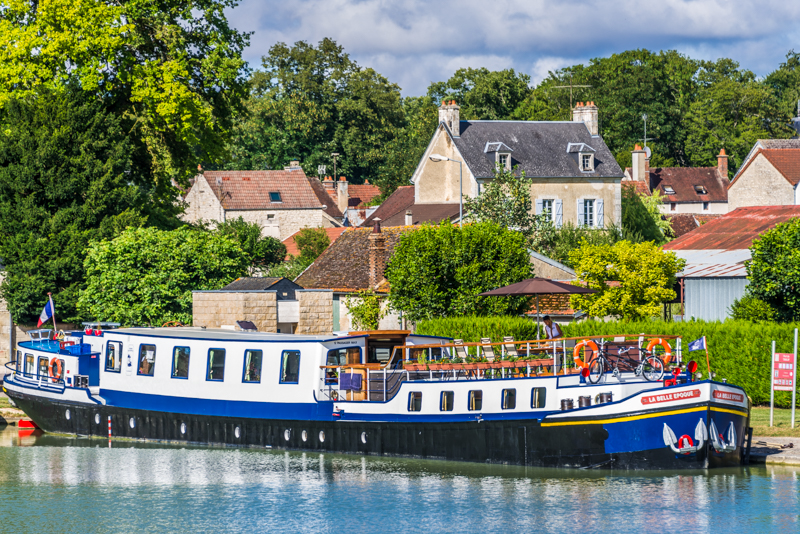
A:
(283, 223)
(570, 190)
(316, 311)
(202, 203)
(213, 309)
(760, 185)
(437, 182)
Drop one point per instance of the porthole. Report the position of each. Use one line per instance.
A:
(304, 435)
(321, 436)
(68, 415)
(132, 422)
(363, 437)
(97, 418)
(237, 432)
(287, 434)
(183, 428)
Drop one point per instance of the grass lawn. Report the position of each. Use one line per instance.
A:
(759, 420)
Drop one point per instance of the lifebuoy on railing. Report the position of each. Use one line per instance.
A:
(576, 354)
(667, 349)
(55, 376)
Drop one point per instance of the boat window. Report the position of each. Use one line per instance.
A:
(29, 365)
(147, 359)
(290, 366)
(475, 400)
(446, 402)
(349, 355)
(43, 363)
(113, 356)
(216, 364)
(252, 365)
(180, 362)
(415, 401)
(538, 397)
(19, 360)
(509, 399)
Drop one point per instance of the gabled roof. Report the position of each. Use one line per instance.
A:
(291, 245)
(344, 266)
(768, 144)
(250, 190)
(361, 194)
(332, 208)
(539, 148)
(785, 160)
(397, 202)
(575, 148)
(393, 210)
(683, 181)
(735, 230)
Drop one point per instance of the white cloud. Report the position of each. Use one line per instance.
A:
(414, 42)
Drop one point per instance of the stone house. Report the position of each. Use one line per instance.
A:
(575, 177)
(281, 202)
(696, 190)
(769, 177)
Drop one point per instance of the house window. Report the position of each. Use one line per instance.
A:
(669, 190)
(587, 163)
(275, 196)
(415, 401)
(705, 206)
(538, 397)
(673, 206)
(113, 356)
(509, 399)
(252, 365)
(588, 212)
(475, 400)
(504, 162)
(547, 208)
(180, 362)
(446, 402)
(147, 360)
(290, 367)
(216, 364)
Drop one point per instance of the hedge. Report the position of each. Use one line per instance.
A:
(738, 350)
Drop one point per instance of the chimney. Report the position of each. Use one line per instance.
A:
(585, 113)
(329, 185)
(409, 218)
(294, 165)
(377, 254)
(722, 163)
(450, 116)
(640, 165)
(342, 197)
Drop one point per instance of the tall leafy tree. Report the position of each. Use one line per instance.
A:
(785, 83)
(310, 101)
(774, 269)
(70, 171)
(483, 94)
(263, 251)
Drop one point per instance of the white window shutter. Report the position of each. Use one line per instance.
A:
(598, 211)
(539, 207)
(581, 213)
(558, 218)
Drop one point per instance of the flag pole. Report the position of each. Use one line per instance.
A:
(53, 307)
(708, 363)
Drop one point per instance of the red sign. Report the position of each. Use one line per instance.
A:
(671, 396)
(783, 372)
(728, 396)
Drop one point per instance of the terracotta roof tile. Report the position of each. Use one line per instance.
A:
(640, 186)
(399, 201)
(250, 190)
(683, 181)
(324, 198)
(361, 194)
(291, 246)
(682, 223)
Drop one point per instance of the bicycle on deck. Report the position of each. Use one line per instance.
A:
(651, 367)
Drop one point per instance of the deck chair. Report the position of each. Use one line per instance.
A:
(511, 349)
(488, 350)
(460, 349)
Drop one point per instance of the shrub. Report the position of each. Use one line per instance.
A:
(750, 308)
(365, 309)
(472, 329)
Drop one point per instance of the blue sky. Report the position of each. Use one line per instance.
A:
(413, 43)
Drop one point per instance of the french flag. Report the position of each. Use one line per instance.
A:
(47, 312)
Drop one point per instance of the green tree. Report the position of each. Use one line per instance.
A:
(172, 68)
(774, 269)
(645, 273)
(750, 308)
(365, 309)
(262, 251)
(785, 84)
(69, 173)
(483, 94)
(438, 271)
(311, 242)
(506, 201)
(145, 277)
(311, 101)
(642, 218)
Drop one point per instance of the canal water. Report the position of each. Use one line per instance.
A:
(59, 484)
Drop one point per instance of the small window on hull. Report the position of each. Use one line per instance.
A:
(147, 360)
(30, 366)
(475, 400)
(43, 364)
(290, 367)
(415, 401)
(180, 362)
(216, 365)
(509, 399)
(113, 356)
(446, 404)
(538, 397)
(252, 365)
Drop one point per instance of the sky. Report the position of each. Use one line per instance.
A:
(414, 43)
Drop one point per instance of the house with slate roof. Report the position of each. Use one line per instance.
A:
(769, 176)
(281, 202)
(575, 177)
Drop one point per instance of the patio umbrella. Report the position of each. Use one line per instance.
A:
(536, 286)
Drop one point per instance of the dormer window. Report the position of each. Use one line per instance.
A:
(700, 190)
(669, 190)
(587, 162)
(504, 161)
(585, 155)
(275, 196)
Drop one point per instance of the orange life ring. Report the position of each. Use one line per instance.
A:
(576, 354)
(55, 362)
(667, 349)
